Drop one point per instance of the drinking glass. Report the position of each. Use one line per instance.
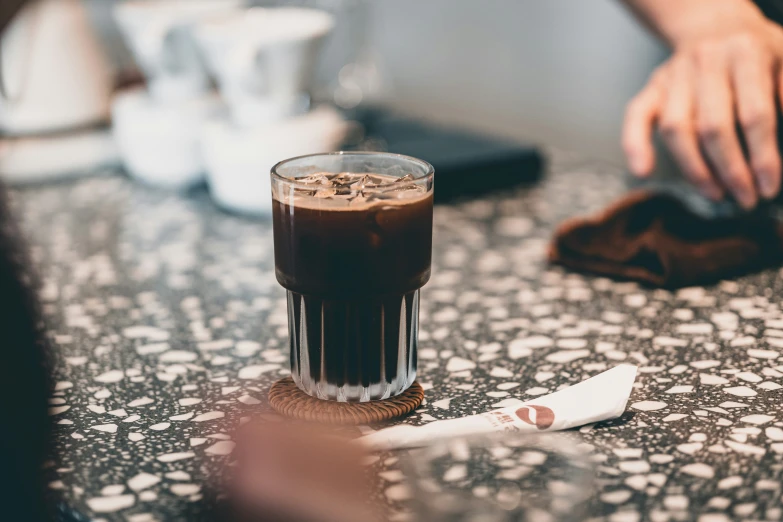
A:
(507, 477)
(353, 246)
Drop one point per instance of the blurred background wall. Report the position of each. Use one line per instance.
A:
(556, 72)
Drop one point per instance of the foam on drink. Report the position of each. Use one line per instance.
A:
(354, 191)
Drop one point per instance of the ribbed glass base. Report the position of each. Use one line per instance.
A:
(353, 351)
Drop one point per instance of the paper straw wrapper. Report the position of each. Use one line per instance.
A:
(599, 398)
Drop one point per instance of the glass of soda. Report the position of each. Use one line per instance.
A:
(353, 246)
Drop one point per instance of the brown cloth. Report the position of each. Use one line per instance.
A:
(655, 239)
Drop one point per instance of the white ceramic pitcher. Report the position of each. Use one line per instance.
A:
(53, 75)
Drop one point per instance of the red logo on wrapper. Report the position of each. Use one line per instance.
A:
(542, 419)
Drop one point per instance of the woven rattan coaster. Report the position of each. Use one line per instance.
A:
(286, 399)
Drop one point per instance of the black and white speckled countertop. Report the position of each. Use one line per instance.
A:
(170, 327)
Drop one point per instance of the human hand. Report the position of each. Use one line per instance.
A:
(293, 472)
(725, 74)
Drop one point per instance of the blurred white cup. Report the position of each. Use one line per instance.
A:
(239, 161)
(264, 59)
(157, 33)
(159, 143)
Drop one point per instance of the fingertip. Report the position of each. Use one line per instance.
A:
(711, 191)
(769, 184)
(768, 180)
(641, 173)
(640, 165)
(741, 185)
(747, 199)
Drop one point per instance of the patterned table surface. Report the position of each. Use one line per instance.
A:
(170, 327)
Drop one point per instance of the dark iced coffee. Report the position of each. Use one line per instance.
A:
(353, 248)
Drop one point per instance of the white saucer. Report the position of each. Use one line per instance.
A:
(34, 159)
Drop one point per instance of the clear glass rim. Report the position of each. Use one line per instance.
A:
(429, 170)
